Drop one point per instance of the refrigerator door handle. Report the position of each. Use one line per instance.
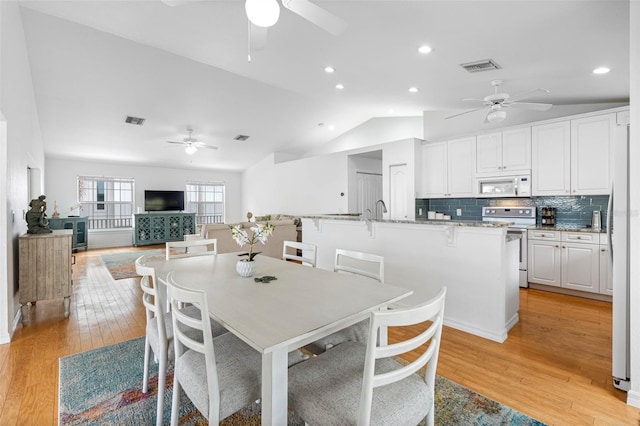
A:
(610, 223)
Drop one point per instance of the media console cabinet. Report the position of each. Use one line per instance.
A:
(158, 228)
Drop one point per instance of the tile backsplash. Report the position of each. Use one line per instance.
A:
(574, 211)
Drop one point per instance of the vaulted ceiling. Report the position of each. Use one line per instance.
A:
(95, 62)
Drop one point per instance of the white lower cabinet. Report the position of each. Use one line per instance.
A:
(572, 260)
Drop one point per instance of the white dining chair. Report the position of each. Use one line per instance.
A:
(159, 330)
(220, 375)
(191, 247)
(337, 386)
(358, 263)
(308, 251)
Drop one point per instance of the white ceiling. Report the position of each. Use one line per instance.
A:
(95, 62)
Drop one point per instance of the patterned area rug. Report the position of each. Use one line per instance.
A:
(103, 386)
(122, 265)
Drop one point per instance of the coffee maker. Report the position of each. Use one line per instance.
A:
(596, 220)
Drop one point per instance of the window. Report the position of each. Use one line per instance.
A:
(206, 200)
(106, 201)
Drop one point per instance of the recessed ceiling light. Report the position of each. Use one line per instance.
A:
(331, 127)
(339, 86)
(392, 111)
(329, 69)
(601, 70)
(413, 89)
(424, 49)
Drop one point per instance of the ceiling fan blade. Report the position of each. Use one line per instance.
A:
(528, 94)
(316, 15)
(204, 145)
(529, 105)
(463, 113)
(257, 37)
(177, 143)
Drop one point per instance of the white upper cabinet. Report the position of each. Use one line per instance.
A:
(573, 157)
(449, 168)
(516, 150)
(461, 167)
(434, 170)
(504, 153)
(591, 143)
(551, 159)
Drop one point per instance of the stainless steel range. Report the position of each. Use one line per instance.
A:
(522, 218)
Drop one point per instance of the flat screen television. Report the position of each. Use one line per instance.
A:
(161, 201)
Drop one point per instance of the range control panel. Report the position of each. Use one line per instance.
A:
(509, 212)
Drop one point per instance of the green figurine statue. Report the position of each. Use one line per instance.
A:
(37, 222)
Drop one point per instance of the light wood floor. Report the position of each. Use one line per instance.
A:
(555, 365)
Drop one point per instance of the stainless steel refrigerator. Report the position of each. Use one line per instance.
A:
(618, 233)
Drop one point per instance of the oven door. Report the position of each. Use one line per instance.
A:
(522, 265)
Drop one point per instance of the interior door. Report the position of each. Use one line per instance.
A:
(369, 191)
(398, 192)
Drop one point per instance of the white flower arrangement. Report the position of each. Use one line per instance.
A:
(260, 234)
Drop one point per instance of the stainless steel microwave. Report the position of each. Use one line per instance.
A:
(504, 186)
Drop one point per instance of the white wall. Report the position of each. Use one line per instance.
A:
(633, 397)
(24, 148)
(374, 131)
(61, 186)
(307, 186)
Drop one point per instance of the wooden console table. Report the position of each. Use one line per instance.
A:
(45, 269)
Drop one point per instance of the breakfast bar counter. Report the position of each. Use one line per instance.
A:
(475, 260)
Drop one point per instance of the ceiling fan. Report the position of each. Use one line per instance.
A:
(263, 14)
(496, 103)
(191, 144)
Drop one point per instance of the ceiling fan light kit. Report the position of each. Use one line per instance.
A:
(263, 13)
(190, 149)
(496, 116)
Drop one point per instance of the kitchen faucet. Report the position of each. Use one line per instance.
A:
(384, 207)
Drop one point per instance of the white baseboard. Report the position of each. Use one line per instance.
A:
(633, 398)
(468, 328)
(6, 338)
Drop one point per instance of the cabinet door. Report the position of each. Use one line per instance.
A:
(550, 159)
(544, 262)
(434, 161)
(489, 154)
(591, 142)
(606, 281)
(461, 160)
(516, 150)
(581, 267)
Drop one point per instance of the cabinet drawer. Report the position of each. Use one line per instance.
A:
(604, 239)
(581, 237)
(538, 234)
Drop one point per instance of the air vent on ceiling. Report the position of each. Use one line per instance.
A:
(134, 120)
(484, 65)
(241, 138)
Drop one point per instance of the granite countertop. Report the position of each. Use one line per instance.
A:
(358, 218)
(568, 227)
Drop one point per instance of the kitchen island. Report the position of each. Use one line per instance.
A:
(475, 260)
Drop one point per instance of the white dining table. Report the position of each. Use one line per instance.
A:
(302, 305)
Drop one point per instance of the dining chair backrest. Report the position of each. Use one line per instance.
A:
(191, 247)
(355, 262)
(290, 252)
(432, 310)
(154, 297)
(183, 340)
